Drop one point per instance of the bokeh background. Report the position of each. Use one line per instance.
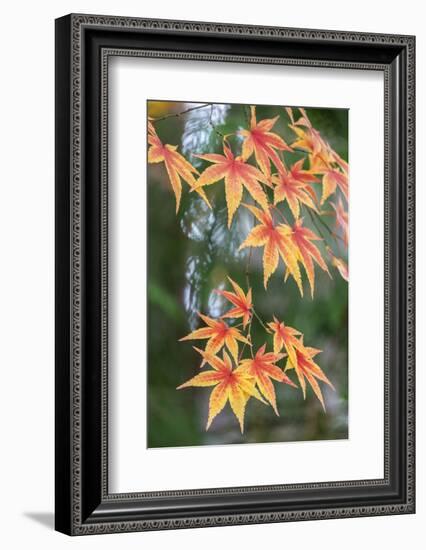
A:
(190, 254)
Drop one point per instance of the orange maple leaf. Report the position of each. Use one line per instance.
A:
(177, 166)
(340, 162)
(302, 237)
(218, 334)
(277, 242)
(237, 174)
(333, 178)
(262, 367)
(308, 138)
(340, 264)
(285, 337)
(342, 219)
(294, 186)
(321, 155)
(242, 302)
(264, 143)
(233, 385)
(306, 368)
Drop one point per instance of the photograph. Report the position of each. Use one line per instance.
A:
(248, 272)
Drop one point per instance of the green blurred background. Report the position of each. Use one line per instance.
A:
(191, 253)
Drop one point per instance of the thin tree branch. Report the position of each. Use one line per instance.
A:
(260, 321)
(154, 120)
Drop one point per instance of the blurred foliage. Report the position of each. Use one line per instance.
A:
(191, 253)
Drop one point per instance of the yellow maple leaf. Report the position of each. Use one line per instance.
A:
(294, 186)
(237, 175)
(242, 303)
(339, 264)
(233, 385)
(218, 334)
(307, 369)
(285, 337)
(302, 238)
(264, 143)
(263, 367)
(277, 242)
(177, 166)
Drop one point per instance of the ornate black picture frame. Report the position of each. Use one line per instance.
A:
(84, 44)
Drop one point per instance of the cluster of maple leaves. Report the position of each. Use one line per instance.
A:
(234, 377)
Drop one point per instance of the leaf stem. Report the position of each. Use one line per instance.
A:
(260, 320)
(275, 207)
(244, 345)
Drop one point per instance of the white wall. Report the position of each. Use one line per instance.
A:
(26, 304)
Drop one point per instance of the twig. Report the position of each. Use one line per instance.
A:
(275, 207)
(246, 115)
(181, 113)
(212, 125)
(318, 217)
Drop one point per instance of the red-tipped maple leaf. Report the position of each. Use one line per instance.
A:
(342, 220)
(302, 237)
(262, 367)
(285, 337)
(242, 302)
(264, 143)
(340, 162)
(331, 179)
(177, 166)
(218, 334)
(321, 155)
(306, 368)
(308, 138)
(339, 264)
(277, 240)
(233, 385)
(237, 174)
(294, 186)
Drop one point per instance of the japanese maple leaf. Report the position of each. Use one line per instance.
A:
(340, 162)
(277, 243)
(294, 186)
(233, 385)
(242, 302)
(177, 166)
(311, 141)
(237, 174)
(307, 369)
(302, 237)
(340, 265)
(218, 334)
(285, 337)
(308, 138)
(264, 143)
(331, 179)
(342, 219)
(263, 367)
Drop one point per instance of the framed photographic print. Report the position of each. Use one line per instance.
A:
(234, 274)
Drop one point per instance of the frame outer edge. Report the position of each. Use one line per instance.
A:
(63, 493)
(77, 22)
